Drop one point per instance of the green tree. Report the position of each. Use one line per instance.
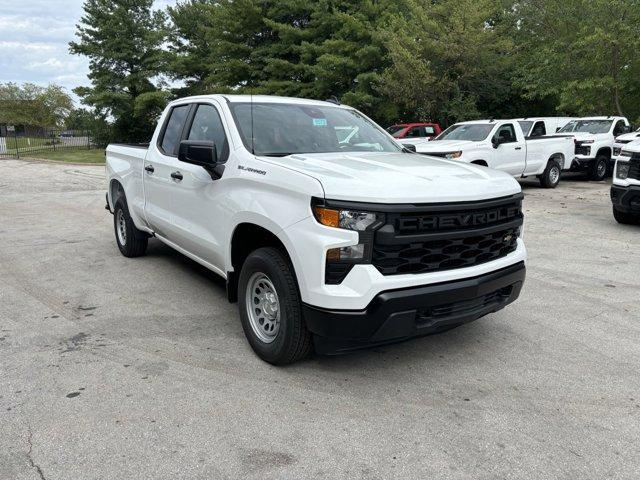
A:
(123, 41)
(451, 60)
(30, 104)
(290, 47)
(583, 53)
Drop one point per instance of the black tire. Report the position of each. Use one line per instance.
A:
(599, 168)
(292, 341)
(625, 218)
(135, 241)
(550, 178)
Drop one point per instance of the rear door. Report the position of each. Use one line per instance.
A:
(510, 154)
(160, 163)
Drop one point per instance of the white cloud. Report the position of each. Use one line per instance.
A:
(34, 42)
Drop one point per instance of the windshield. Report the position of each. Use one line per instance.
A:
(526, 126)
(467, 131)
(395, 129)
(283, 129)
(587, 126)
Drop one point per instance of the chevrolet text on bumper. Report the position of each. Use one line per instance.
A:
(328, 233)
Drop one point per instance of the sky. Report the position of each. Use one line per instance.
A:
(34, 42)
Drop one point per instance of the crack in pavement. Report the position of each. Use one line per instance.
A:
(30, 458)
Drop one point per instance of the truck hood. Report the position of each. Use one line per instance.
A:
(629, 136)
(398, 177)
(587, 136)
(445, 146)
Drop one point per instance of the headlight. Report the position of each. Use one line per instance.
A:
(347, 219)
(452, 155)
(622, 170)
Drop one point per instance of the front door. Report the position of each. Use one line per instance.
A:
(198, 210)
(510, 155)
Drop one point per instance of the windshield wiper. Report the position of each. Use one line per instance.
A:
(275, 154)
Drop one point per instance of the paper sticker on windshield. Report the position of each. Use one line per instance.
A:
(319, 122)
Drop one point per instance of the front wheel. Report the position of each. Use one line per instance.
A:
(625, 218)
(599, 168)
(551, 175)
(271, 308)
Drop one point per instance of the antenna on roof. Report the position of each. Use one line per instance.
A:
(333, 99)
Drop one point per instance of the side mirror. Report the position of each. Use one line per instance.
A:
(203, 154)
(409, 147)
(627, 129)
(495, 141)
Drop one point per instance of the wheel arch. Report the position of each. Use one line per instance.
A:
(246, 237)
(606, 151)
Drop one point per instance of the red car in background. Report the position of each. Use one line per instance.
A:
(415, 130)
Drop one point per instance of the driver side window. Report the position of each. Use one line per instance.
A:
(207, 126)
(619, 128)
(505, 134)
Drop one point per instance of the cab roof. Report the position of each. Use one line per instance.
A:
(259, 99)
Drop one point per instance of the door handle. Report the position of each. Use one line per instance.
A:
(518, 148)
(176, 176)
(150, 169)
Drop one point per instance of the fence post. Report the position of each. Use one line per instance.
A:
(15, 139)
(53, 139)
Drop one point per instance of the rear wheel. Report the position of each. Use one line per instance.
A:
(599, 168)
(271, 308)
(551, 175)
(625, 218)
(131, 241)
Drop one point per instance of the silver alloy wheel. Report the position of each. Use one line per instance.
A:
(554, 175)
(602, 169)
(263, 307)
(121, 228)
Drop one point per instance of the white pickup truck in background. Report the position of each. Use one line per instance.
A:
(500, 144)
(625, 190)
(542, 126)
(594, 139)
(622, 140)
(327, 232)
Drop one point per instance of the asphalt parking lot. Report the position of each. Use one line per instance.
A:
(112, 368)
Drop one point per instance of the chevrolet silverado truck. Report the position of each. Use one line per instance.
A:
(622, 140)
(324, 242)
(625, 190)
(501, 145)
(594, 139)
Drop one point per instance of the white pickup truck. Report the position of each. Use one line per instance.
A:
(500, 144)
(326, 240)
(594, 139)
(625, 190)
(622, 140)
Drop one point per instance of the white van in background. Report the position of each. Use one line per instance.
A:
(541, 126)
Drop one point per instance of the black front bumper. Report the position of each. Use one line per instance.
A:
(581, 164)
(626, 199)
(411, 312)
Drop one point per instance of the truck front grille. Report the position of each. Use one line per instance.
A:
(433, 238)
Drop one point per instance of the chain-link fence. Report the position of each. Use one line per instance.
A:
(38, 144)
